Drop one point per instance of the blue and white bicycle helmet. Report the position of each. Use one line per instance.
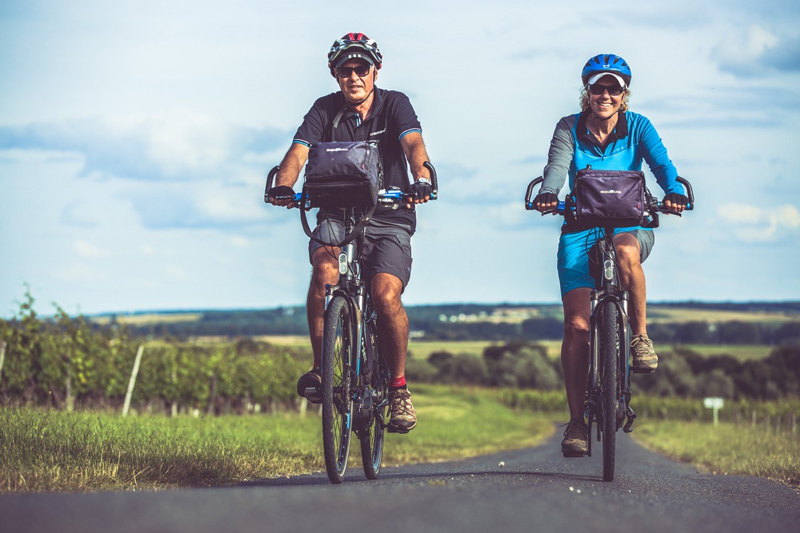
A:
(356, 45)
(606, 64)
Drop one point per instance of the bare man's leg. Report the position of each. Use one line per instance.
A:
(325, 272)
(392, 320)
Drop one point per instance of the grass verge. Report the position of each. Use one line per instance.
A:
(56, 451)
(728, 448)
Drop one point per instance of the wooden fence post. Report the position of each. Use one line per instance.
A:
(212, 395)
(303, 407)
(2, 356)
(132, 382)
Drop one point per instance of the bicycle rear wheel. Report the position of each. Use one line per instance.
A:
(609, 386)
(373, 438)
(337, 403)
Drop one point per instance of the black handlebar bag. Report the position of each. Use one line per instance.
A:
(609, 198)
(343, 174)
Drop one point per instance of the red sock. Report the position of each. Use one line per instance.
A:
(398, 383)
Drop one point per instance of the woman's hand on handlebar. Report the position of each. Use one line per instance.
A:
(675, 202)
(545, 202)
(282, 195)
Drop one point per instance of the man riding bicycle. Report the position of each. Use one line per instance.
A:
(362, 112)
(605, 136)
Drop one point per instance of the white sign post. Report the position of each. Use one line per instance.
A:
(715, 404)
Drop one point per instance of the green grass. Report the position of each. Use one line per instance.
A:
(56, 451)
(727, 448)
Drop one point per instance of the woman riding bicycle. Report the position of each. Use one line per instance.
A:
(606, 136)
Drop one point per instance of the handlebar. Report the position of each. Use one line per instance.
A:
(434, 180)
(390, 196)
(657, 206)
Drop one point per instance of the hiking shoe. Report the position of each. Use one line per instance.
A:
(309, 386)
(576, 439)
(403, 418)
(644, 355)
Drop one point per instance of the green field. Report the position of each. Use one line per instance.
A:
(422, 349)
(739, 351)
(56, 451)
(727, 448)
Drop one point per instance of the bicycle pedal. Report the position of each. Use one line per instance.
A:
(313, 395)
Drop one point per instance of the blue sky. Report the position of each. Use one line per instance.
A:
(135, 137)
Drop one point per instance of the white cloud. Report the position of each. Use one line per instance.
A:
(752, 224)
(240, 241)
(80, 271)
(170, 146)
(90, 251)
(146, 249)
(176, 272)
(739, 214)
(748, 52)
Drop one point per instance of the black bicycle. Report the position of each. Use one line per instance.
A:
(355, 374)
(608, 393)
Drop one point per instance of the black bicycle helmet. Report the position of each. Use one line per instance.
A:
(354, 42)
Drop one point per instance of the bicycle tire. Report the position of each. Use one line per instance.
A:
(337, 402)
(609, 386)
(373, 439)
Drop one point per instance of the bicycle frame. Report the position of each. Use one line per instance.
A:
(353, 288)
(610, 290)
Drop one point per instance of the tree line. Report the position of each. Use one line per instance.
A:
(463, 322)
(681, 372)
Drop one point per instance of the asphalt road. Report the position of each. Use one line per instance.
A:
(531, 490)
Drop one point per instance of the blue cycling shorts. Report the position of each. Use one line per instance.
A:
(573, 254)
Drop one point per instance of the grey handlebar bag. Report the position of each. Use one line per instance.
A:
(344, 174)
(610, 198)
(341, 175)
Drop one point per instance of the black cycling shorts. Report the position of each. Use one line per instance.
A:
(386, 247)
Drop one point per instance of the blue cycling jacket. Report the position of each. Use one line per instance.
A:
(634, 139)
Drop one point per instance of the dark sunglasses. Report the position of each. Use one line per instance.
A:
(346, 72)
(613, 90)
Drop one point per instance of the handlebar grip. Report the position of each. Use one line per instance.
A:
(270, 181)
(529, 193)
(434, 180)
(689, 192)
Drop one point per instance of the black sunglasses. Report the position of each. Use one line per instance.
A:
(346, 72)
(613, 90)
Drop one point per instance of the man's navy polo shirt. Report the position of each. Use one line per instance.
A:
(391, 117)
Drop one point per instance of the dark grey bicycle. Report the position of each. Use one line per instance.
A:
(608, 394)
(355, 374)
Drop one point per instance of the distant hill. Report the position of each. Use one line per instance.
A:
(746, 322)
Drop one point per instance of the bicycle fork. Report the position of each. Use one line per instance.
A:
(628, 415)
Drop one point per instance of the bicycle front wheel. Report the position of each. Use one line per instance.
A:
(373, 438)
(337, 402)
(609, 386)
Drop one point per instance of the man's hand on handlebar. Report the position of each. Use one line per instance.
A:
(420, 190)
(282, 195)
(675, 202)
(545, 202)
